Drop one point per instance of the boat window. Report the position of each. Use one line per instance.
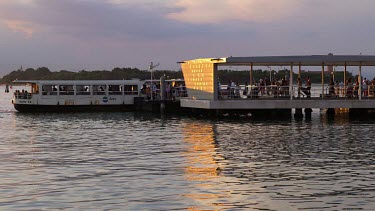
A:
(49, 90)
(115, 90)
(83, 89)
(131, 89)
(66, 89)
(99, 89)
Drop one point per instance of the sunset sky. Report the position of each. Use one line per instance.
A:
(103, 34)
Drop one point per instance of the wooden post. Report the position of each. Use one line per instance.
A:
(299, 70)
(251, 74)
(291, 82)
(216, 81)
(323, 80)
(345, 80)
(360, 81)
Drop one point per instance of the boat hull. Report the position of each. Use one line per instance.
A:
(27, 108)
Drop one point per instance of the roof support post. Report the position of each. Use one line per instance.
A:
(251, 74)
(216, 82)
(345, 79)
(323, 80)
(360, 81)
(299, 70)
(291, 82)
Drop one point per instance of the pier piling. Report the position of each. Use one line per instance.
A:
(298, 113)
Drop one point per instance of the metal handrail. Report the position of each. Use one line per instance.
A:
(284, 92)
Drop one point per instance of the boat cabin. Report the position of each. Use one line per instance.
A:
(77, 92)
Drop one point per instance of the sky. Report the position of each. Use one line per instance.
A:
(103, 34)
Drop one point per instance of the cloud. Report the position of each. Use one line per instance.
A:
(132, 32)
(222, 11)
(20, 26)
(90, 18)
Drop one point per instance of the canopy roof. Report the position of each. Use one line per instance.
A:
(313, 60)
(80, 82)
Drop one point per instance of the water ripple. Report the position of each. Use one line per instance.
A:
(135, 161)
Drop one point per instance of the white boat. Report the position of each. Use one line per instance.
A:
(77, 95)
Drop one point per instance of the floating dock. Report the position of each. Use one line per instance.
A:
(202, 85)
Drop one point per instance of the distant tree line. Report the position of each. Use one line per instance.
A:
(43, 73)
(241, 76)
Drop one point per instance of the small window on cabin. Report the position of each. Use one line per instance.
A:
(131, 89)
(66, 89)
(115, 90)
(83, 89)
(49, 90)
(99, 89)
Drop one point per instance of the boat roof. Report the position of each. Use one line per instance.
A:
(309, 60)
(80, 82)
(168, 80)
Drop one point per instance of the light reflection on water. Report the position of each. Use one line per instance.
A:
(133, 161)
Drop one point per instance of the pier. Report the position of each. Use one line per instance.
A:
(205, 93)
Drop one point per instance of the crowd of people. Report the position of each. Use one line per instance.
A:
(24, 94)
(351, 89)
(172, 90)
(263, 87)
(281, 88)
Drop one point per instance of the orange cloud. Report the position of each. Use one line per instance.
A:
(20, 26)
(218, 11)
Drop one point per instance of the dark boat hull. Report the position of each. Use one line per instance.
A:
(72, 108)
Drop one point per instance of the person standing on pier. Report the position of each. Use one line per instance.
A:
(331, 86)
(219, 90)
(246, 89)
(299, 84)
(284, 87)
(267, 84)
(307, 89)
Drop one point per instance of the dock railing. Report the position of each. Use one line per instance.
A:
(274, 92)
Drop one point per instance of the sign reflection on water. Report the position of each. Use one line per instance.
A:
(203, 169)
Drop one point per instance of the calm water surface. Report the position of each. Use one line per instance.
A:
(135, 161)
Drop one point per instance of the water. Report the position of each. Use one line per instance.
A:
(138, 161)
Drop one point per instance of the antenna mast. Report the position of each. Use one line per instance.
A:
(152, 66)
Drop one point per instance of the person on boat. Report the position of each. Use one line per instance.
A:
(143, 90)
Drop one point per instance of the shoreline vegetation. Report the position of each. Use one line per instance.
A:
(241, 76)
